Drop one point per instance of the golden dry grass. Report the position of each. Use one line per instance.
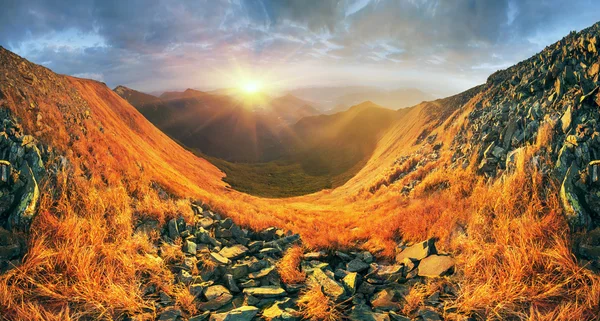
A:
(316, 306)
(85, 261)
(289, 266)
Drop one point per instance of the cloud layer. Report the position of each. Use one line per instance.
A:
(439, 46)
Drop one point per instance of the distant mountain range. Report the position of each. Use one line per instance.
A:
(223, 126)
(336, 99)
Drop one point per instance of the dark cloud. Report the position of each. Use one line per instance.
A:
(156, 44)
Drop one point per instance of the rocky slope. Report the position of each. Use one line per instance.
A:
(235, 274)
(554, 94)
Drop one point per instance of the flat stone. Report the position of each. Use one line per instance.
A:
(390, 273)
(265, 292)
(330, 286)
(234, 252)
(216, 296)
(436, 265)
(262, 273)
(244, 313)
(418, 251)
(357, 265)
(314, 255)
(219, 258)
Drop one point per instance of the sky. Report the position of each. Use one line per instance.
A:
(441, 47)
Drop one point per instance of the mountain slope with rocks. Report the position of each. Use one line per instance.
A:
(477, 206)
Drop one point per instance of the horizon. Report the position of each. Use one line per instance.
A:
(153, 46)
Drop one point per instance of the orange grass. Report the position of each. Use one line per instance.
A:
(289, 266)
(85, 261)
(315, 305)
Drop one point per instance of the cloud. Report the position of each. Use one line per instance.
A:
(161, 44)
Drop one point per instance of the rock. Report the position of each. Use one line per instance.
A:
(418, 251)
(397, 317)
(245, 313)
(594, 171)
(357, 265)
(238, 271)
(230, 282)
(385, 300)
(577, 217)
(367, 257)
(265, 292)
(8, 252)
(391, 273)
(234, 252)
(330, 286)
(189, 247)
(262, 273)
(216, 296)
(26, 208)
(351, 282)
(206, 222)
(200, 317)
(280, 311)
(170, 314)
(197, 289)
(363, 313)
(567, 119)
(172, 229)
(219, 258)
(428, 314)
(436, 265)
(315, 255)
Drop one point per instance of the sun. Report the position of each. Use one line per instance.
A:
(251, 87)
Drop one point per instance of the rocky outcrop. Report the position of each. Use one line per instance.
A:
(21, 169)
(232, 274)
(556, 90)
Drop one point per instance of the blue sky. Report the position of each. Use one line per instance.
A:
(441, 47)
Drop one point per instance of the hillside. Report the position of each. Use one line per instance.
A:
(223, 126)
(130, 225)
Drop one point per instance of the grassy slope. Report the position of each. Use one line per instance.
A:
(85, 262)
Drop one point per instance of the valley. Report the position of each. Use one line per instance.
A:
(238, 205)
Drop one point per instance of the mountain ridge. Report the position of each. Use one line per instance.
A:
(455, 170)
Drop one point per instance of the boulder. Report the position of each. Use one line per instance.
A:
(418, 251)
(357, 265)
(351, 282)
(330, 287)
(577, 217)
(436, 265)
